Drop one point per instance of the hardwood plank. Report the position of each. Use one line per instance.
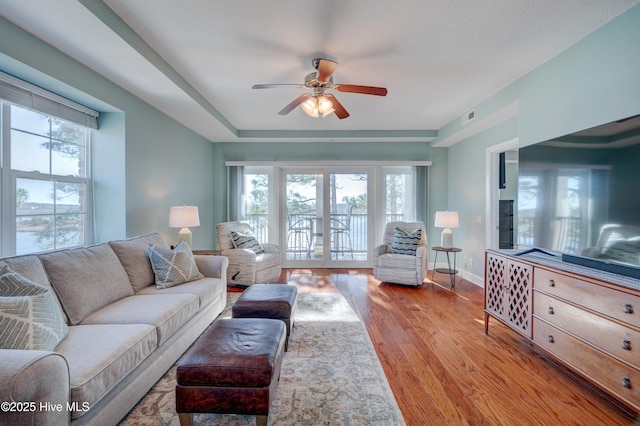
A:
(443, 369)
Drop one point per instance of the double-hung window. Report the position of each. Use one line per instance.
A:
(45, 181)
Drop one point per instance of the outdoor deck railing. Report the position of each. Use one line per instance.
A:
(357, 231)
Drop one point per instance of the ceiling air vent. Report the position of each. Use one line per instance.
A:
(469, 116)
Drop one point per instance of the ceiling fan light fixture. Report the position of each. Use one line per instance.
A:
(325, 106)
(310, 107)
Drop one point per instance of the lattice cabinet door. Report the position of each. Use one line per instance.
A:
(495, 285)
(519, 297)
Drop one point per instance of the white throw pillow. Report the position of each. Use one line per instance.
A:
(30, 318)
(173, 267)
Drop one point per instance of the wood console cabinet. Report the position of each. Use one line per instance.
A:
(590, 325)
(508, 286)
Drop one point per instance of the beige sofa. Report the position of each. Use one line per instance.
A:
(123, 332)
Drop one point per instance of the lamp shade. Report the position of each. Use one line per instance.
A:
(446, 219)
(184, 217)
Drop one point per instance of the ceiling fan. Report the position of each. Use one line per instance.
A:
(318, 101)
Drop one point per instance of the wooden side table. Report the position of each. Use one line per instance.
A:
(452, 272)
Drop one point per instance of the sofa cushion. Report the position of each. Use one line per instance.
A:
(246, 241)
(405, 242)
(173, 267)
(30, 318)
(134, 256)
(166, 312)
(207, 290)
(31, 267)
(100, 356)
(86, 279)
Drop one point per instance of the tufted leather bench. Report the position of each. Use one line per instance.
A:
(233, 368)
(275, 301)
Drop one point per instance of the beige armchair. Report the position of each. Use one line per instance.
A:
(402, 256)
(248, 265)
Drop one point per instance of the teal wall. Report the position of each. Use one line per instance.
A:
(591, 83)
(144, 161)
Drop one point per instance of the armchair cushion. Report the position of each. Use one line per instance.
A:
(173, 267)
(30, 318)
(406, 242)
(246, 241)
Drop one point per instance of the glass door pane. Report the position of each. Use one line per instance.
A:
(399, 194)
(255, 202)
(348, 216)
(303, 221)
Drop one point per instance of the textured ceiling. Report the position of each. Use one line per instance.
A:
(196, 60)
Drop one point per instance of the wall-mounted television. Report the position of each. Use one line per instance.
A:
(579, 197)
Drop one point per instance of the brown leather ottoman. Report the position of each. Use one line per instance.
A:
(233, 368)
(275, 301)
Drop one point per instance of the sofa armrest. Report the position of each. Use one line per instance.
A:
(41, 380)
(212, 266)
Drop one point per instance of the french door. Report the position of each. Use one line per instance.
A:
(326, 217)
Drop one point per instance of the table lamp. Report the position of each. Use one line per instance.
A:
(184, 217)
(446, 219)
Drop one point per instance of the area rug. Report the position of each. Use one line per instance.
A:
(331, 375)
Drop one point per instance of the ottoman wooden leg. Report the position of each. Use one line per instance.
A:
(186, 419)
(261, 420)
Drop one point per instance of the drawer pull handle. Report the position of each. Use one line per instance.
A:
(550, 338)
(626, 383)
(552, 283)
(626, 345)
(550, 310)
(628, 308)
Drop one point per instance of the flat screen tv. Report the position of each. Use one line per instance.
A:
(579, 197)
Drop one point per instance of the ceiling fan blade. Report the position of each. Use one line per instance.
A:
(365, 90)
(297, 101)
(325, 69)
(273, 86)
(337, 106)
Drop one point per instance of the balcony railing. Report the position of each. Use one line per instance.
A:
(567, 234)
(300, 247)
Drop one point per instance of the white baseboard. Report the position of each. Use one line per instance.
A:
(472, 278)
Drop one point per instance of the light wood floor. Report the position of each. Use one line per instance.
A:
(444, 370)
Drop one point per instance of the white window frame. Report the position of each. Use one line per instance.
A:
(8, 178)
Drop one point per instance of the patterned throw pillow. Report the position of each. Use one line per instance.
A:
(29, 315)
(243, 241)
(406, 243)
(173, 267)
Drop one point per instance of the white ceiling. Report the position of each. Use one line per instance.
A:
(196, 60)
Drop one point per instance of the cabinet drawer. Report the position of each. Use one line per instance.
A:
(609, 373)
(612, 337)
(610, 302)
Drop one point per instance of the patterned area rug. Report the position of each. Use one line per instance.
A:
(330, 375)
